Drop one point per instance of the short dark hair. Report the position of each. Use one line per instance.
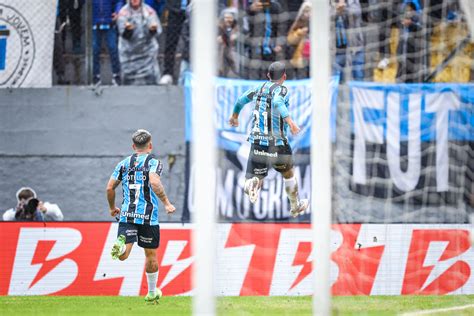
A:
(25, 194)
(276, 70)
(141, 138)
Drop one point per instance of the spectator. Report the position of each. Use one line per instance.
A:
(29, 208)
(58, 51)
(176, 18)
(298, 38)
(185, 54)
(138, 27)
(349, 38)
(226, 39)
(447, 37)
(104, 16)
(71, 13)
(409, 44)
(383, 13)
(265, 36)
(157, 5)
(290, 9)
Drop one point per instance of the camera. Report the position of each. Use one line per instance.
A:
(26, 211)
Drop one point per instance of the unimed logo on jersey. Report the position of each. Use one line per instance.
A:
(17, 47)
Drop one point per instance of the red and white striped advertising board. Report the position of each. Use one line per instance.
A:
(253, 259)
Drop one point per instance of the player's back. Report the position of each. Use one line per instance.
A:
(140, 203)
(268, 126)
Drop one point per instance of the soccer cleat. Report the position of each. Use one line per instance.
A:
(118, 248)
(153, 297)
(300, 207)
(252, 188)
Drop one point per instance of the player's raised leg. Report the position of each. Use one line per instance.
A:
(291, 187)
(124, 254)
(151, 268)
(126, 236)
(257, 170)
(252, 188)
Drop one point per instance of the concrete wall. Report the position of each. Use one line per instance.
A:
(65, 141)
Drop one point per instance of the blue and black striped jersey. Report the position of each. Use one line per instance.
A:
(140, 203)
(271, 108)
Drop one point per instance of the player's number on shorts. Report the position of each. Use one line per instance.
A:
(137, 188)
(256, 126)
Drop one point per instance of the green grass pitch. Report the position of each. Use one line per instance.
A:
(283, 305)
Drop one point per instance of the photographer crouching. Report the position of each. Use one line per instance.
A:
(30, 208)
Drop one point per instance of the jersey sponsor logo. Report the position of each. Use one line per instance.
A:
(138, 169)
(131, 232)
(146, 240)
(135, 215)
(257, 136)
(258, 171)
(265, 153)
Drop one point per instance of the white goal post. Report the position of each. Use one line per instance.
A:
(203, 35)
(320, 155)
(203, 52)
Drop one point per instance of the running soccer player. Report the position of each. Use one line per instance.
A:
(269, 143)
(141, 185)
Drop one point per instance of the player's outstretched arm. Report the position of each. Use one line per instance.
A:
(159, 190)
(111, 186)
(239, 104)
(294, 128)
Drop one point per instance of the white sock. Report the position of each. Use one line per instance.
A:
(291, 188)
(151, 279)
(246, 186)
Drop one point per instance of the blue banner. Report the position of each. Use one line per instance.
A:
(432, 100)
(227, 92)
(234, 149)
(412, 143)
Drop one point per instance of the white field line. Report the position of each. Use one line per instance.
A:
(439, 310)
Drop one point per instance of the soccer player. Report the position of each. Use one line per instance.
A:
(140, 177)
(269, 143)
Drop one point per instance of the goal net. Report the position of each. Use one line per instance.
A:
(401, 130)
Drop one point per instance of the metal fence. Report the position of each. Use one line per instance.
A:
(371, 40)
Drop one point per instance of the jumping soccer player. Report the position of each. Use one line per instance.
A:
(269, 144)
(140, 177)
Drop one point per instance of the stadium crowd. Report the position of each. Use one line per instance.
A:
(147, 41)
